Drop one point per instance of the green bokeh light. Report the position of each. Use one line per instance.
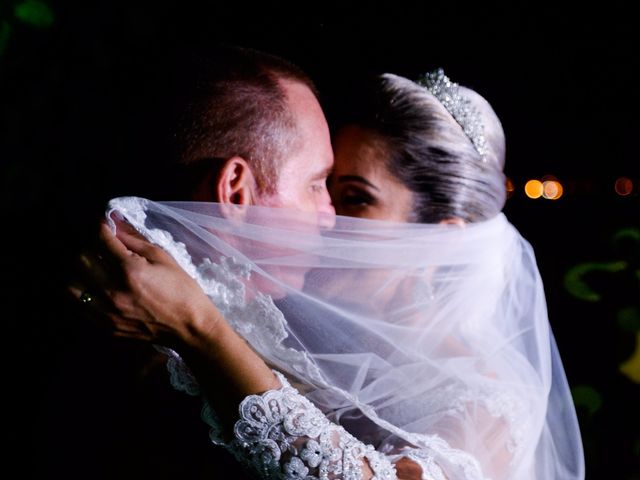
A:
(629, 319)
(577, 286)
(5, 33)
(588, 397)
(627, 233)
(35, 13)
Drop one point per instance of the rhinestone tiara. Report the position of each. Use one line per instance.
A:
(460, 108)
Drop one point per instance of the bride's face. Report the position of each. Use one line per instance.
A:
(361, 186)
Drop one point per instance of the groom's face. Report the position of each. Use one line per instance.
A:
(301, 185)
(302, 179)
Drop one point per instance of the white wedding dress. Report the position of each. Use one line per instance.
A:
(390, 341)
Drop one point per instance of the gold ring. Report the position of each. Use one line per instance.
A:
(86, 297)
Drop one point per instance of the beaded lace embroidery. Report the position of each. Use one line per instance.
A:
(282, 435)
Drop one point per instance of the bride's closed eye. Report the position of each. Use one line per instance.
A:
(355, 197)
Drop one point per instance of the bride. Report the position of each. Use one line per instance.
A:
(409, 341)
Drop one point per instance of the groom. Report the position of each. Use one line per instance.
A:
(253, 133)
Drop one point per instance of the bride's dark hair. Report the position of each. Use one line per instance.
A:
(425, 147)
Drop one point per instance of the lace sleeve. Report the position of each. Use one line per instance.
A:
(180, 376)
(282, 435)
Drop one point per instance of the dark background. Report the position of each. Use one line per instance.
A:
(84, 101)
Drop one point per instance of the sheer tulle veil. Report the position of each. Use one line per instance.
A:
(433, 336)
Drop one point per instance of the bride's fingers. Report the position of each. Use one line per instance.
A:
(113, 244)
(93, 268)
(94, 301)
(143, 337)
(96, 272)
(107, 317)
(136, 243)
(95, 307)
(123, 327)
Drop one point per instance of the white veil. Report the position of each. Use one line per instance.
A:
(409, 335)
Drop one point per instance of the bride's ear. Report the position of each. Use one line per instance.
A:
(453, 221)
(236, 183)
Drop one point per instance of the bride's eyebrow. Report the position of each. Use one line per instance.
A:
(357, 179)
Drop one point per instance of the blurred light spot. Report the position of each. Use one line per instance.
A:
(575, 284)
(5, 32)
(631, 367)
(627, 242)
(510, 188)
(629, 319)
(533, 189)
(624, 186)
(35, 13)
(552, 190)
(630, 233)
(587, 397)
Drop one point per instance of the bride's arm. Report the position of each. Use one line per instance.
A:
(160, 303)
(147, 296)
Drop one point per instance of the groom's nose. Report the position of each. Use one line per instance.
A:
(326, 221)
(326, 212)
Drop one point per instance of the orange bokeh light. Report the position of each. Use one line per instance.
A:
(624, 186)
(510, 187)
(533, 189)
(552, 190)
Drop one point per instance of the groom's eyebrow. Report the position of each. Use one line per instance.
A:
(324, 173)
(357, 179)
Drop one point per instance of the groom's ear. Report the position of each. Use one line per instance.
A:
(236, 183)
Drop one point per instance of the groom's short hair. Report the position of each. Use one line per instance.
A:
(237, 106)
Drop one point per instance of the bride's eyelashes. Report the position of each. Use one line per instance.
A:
(355, 197)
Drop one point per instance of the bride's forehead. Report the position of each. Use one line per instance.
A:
(354, 144)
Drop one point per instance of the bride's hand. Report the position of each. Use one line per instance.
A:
(142, 292)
